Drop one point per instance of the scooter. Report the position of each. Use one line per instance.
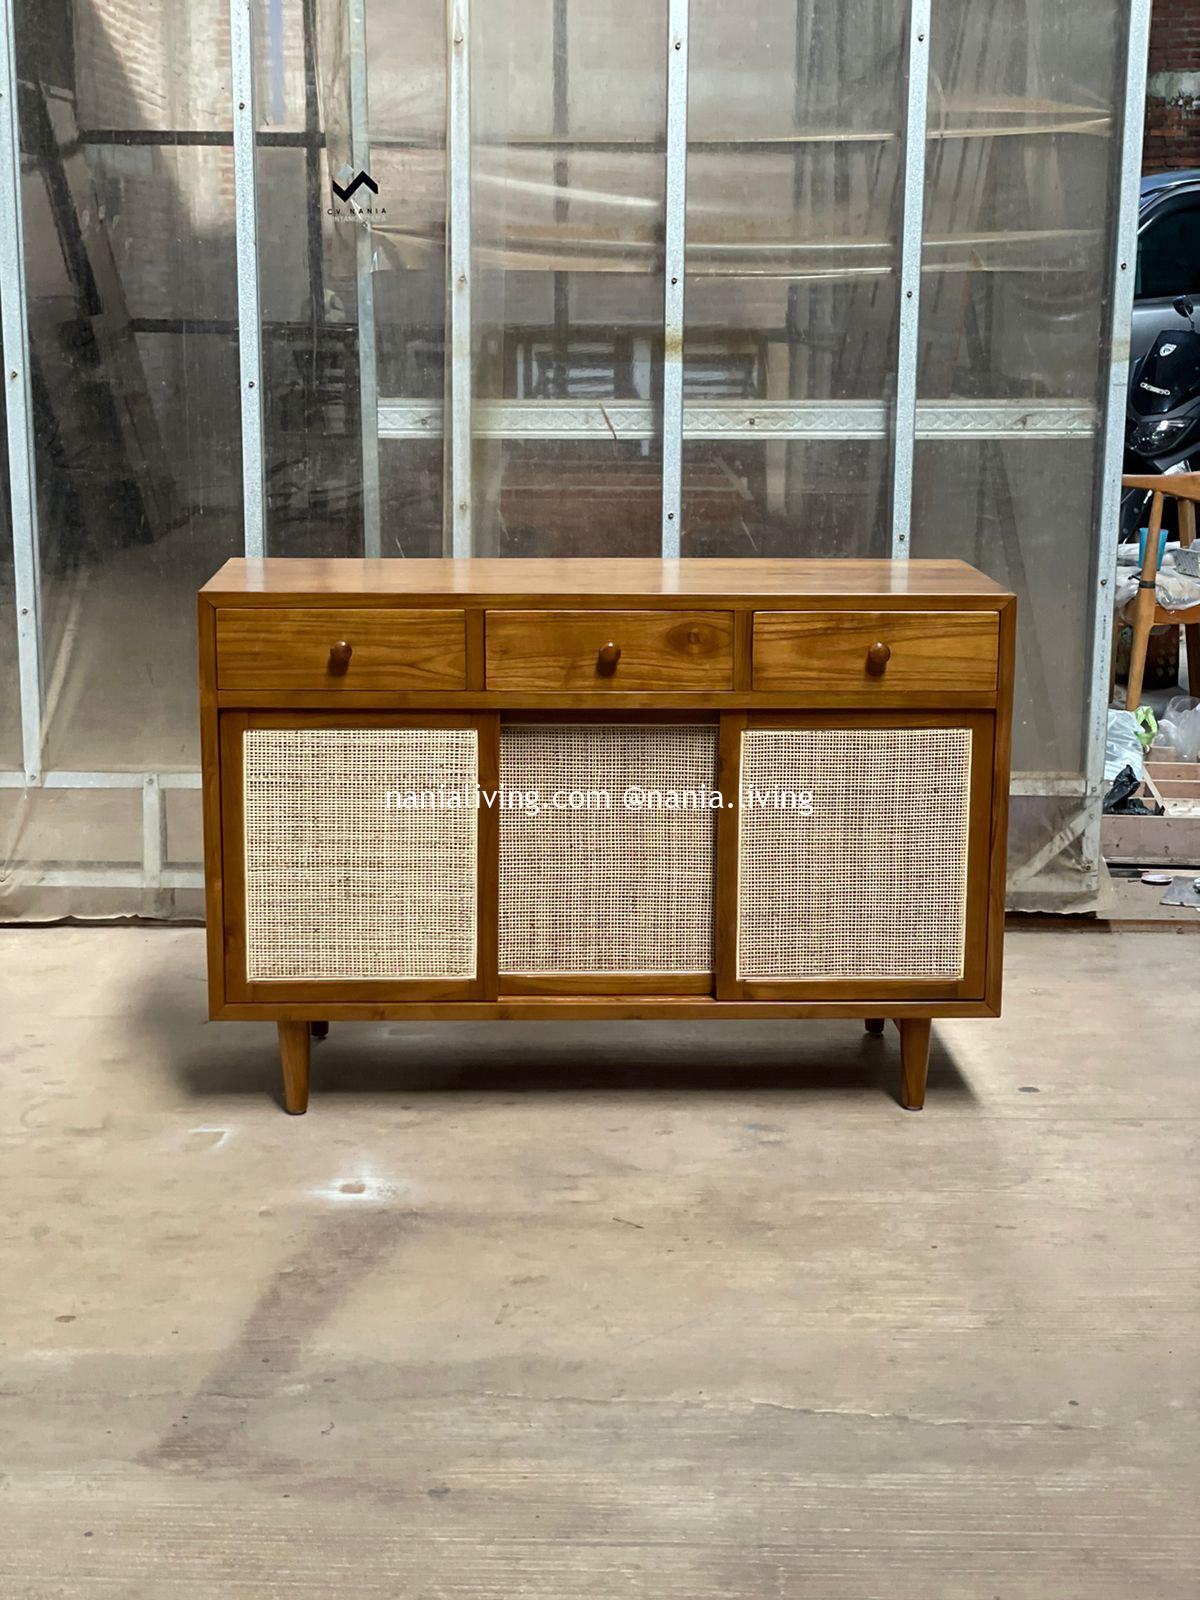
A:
(1162, 415)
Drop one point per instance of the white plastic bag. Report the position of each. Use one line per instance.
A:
(1122, 746)
(1180, 726)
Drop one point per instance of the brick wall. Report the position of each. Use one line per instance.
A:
(1173, 91)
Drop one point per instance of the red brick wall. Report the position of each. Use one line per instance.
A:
(1173, 92)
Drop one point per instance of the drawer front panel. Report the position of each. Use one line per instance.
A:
(877, 652)
(853, 854)
(609, 651)
(305, 649)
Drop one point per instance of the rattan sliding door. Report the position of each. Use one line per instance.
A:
(358, 856)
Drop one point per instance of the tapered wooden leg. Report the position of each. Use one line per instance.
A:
(319, 1030)
(875, 1024)
(294, 1055)
(914, 1061)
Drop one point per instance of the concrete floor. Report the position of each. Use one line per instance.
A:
(564, 1312)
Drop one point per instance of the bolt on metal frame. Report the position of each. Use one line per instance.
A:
(906, 420)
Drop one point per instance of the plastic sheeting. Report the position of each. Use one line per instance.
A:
(793, 211)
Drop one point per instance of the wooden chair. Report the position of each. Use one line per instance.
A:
(1143, 611)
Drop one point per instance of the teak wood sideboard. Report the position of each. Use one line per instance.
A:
(685, 789)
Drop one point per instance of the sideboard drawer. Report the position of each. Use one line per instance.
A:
(667, 651)
(876, 651)
(344, 650)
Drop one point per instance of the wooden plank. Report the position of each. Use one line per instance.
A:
(1001, 763)
(1151, 841)
(729, 777)
(594, 1008)
(294, 580)
(210, 787)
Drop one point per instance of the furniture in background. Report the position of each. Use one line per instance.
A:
(841, 728)
(1143, 612)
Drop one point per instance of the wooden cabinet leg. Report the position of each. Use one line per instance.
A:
(294, 1044)
(875, 1024)
(914, 1061)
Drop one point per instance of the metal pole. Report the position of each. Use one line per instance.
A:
(908, 346)
(368, 366)
(459, 142)
(1124, 263)
(19, 408)
(674, 266)
(245, 202)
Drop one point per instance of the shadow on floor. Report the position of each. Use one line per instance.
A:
(214, 1059)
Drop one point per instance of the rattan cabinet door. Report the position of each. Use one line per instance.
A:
(354, 856)
(607, 857)
(862, 857)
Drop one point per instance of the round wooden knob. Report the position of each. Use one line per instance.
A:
(878, 656)
(607, 658)
(339, 657)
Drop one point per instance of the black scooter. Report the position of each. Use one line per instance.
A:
(1162, 416)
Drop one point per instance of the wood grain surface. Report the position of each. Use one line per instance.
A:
(667, 652)
(803, 650)
(286, 579)
(390, 649)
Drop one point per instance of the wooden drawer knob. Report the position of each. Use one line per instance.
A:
(607, 658)
(339, 657)
(878, 656)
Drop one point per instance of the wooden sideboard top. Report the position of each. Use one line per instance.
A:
(940, 583)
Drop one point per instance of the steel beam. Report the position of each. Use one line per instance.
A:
(22, 486)
(674, 271)
(249, 302)
(1124, 262)
(368, 364)
(742, 419)
(459, 266)
(908, 345)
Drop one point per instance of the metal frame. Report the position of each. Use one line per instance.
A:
(27, 582)
(368, 365)
(249, 300)
(911, 239)
(674, 273)
(904, 421)
(784, 419)
(1124, 265)
(458, 265)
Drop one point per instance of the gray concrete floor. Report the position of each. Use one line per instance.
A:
(579, 1311)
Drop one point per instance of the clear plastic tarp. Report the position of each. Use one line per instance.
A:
(528, 146)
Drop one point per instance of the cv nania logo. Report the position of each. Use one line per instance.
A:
(362, 183)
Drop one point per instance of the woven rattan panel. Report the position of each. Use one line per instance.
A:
(873, 883)
(609, 889)
(343, 880)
